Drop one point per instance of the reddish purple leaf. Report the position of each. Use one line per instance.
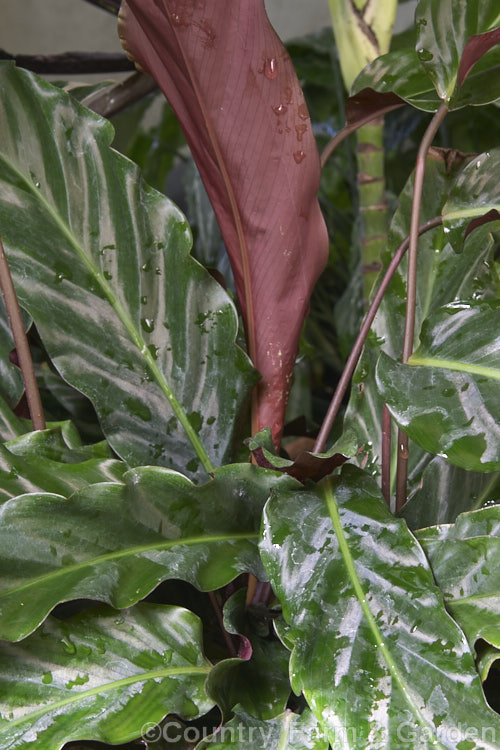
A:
(233, 87)
(476, 47)
(368, 104)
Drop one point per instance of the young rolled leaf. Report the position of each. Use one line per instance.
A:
(233, 87)
(446, 397)
(286, 732)
(116, 542)
(102, 263)
(465, 561)
(374, 650)
(101, 676)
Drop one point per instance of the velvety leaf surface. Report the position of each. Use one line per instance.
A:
(465, 561)
(475, 196)
(374, 649)
(102, 263)
(101, 676)
(233, 87)
(443, 29)
(442, 276)
(286, 732)
(446, 397)
(45, 464)
(116, 542)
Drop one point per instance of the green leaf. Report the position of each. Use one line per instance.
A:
(10, 425)
(260, 684)
(101, 676)
(286, 732)
(102, 263)
(442, 277)
(11, 380)
(443, 29)
(474, 198)
(489, 657)
(115, 542)
(42, 462)
(465, 561)
(374, 649)
(446, 397)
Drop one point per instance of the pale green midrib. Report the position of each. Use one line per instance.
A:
(77, 697)
(468, 213)
(129, 551)
(450, 364)
(128, 324)
(360, 594)
(285, 732)
(467, 599)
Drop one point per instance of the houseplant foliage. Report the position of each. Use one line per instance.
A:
(382, 629)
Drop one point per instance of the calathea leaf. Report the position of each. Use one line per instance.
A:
(233, 87)
(61, 470)
(102, 263)
(374, 650)
(288, 731)
(11, 381)
(116, 542)
(465, 561)
(102, 676)
(446, 397)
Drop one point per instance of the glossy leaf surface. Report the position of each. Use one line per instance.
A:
(443, 30)
(358, 595)
(11, 381)
(46, 464)
(115, 543)
(465, 561)
(233, 87)
(10, 425)
(102, 263)
(442, 276)
(475, 197)
(446, 397)
(102, 676)
(286, 732)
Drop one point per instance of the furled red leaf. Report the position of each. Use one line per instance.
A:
(476, 47)
(233, 87)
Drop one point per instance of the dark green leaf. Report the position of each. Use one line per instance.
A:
(446, 397)
(474, 197)
(465, 561)
(11, 381)
(286, 732)
(10, 425)
(115, 542)
(374, 648)
(443, 29)
(102, 676)
(102, 263)
(261, 685)
(42, 462)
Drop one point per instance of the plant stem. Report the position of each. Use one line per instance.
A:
(361, 338)
(21, 343)
(386, 454)
(72, 63)
(109, 101)
(218, 613)
(411, 286)
(350, 128)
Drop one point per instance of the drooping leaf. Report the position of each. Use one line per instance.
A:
(444, 31)
(42, 462)
(102, 263)
(232, 85)
(465, 561)
(474, 199)
(442, 277)
(446, 397)
(260, 683)
(116, 542)
(286, 732)
(489, 657)
(102, 676)
(373, 646)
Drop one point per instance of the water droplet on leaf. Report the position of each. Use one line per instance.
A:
(271, 68)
